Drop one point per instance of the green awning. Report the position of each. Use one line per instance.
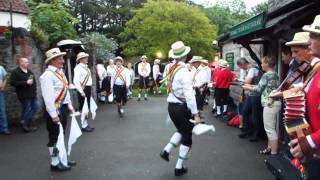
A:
(251, 25)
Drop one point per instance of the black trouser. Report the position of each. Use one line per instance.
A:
(144, 82)
(221, 96)
(53, 128)
(312, 169)
(200, 96)
(87, 92)
(120, 93)
(180, 115)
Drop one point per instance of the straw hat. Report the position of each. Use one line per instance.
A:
(144, 57)
(223, 63)
(314, 27)
(300, 39)
(157, 61)
(178, 50)
(204, 61)
(53, 53)
(118, 58)
(196, 59)
(81, 55)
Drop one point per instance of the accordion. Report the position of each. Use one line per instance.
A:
(295, 122)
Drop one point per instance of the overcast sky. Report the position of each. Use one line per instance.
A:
(249, 3)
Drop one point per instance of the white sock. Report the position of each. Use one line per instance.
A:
(214, 104)
(145, 95)
(139, 95)
(84, 123)
(225, 108)
(183, 155)
(219, 110)
(54, 159)
(174, 141)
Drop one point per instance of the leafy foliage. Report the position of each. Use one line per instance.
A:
(158, 24)
(104, 48)
(51, 22)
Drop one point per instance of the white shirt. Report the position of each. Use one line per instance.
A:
(111, 70)
(155, 71)
(199, 76)
(182, 88)
(123, 78)
(167, 69)
(208, 70)
(51, 87)
(144, 69)
(132, 76)
(101, 71)
(81, 71)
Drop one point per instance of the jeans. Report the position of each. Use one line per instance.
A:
(3, 114)
(252, 105)
(29, 108)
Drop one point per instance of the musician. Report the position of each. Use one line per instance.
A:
(121, 84)
(144, 70)
(182, 105)
(56, 96)
(312, 91)
(222, 80)
(82, 80)
(199, 80)
(268, 82)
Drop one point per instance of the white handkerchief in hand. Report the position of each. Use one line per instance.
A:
(61, 147)
(93, 108)
(75, 133)
(110, 98)
(202, 128)
(85, 110)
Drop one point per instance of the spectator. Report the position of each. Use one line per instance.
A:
(3, 115)
(132, 76)
(23, 79)
(252, 102)
(156, 74)
(268, 82)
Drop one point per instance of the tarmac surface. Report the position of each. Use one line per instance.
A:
(128, 149)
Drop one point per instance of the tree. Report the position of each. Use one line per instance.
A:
(51, 22)
(103, 47)
(158, 24)
(259, 8)
(227, 14)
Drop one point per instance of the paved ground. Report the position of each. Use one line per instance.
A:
(123, 149)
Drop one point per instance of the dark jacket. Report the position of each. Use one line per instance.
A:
(18, 79)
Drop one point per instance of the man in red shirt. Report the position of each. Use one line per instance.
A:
(222, 78)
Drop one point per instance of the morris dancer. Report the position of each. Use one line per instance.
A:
(83, 82)
(54, 86)
(156, 75)
(121, 84)
(182, 106)
(144, 70)
(199, 80)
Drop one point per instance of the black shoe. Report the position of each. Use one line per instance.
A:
(87, 129)
(164, 155)
(254, 139)
(213, 111)
(60, 167)
(218, 115)
(139, 99)
(244, 135)
(180, 172)
(6, 132)
(26, 129)
(33, 129)
(72, 163)
(146, 99)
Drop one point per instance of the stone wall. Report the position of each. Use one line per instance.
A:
(25, 47)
